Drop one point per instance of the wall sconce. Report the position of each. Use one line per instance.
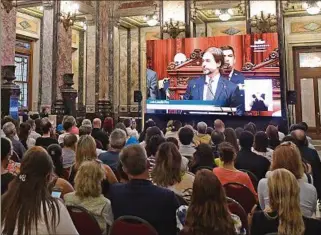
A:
(312, 7)
(7, 5)
(68, 13)
(173, 17)
(224, 14)
(263, 16)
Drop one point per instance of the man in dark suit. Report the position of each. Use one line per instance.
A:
(98, 134)
(152, 84)
(140, 197)
(234, 76)
(212, 85)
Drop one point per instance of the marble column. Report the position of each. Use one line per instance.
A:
(45, 93)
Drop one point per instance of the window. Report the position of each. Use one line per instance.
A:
(23, 63)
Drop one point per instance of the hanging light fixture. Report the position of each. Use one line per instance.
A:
(224, 14)
(151, 20)
(174, 17)
(68, 13)
(312, 7)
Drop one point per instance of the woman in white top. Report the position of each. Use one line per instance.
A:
(287, 156)
(261, 143)
(27, 207)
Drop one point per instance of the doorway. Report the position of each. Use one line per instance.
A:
(307, 72)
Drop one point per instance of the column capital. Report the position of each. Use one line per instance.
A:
(47, 4)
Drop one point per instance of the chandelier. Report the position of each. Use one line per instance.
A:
(173, 28)
(224, 14)
(174, 17)
(151, 20)
(68, 13)
(312, 7)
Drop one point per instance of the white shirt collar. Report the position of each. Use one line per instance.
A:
(231, 74)
(216, 77)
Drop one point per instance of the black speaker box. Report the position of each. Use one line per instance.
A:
(138, 96)
(291, 97)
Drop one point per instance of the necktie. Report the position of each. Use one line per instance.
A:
(209, 93)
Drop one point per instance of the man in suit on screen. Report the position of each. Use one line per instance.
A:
(152, 84)
(212, 85)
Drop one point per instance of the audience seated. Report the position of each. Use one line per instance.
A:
(10, 131)
(208, 212)
(45, 140)
(6, 176)
(248, 160)
(173, 130)
(173, 140)
(27, 207)
(139, 197)
(88, 193)
(117, 141)
(129, 128)
(261, 144)
(86, 151)
(149, 123)
(251, 127)
(24, 135)
(311, 156)
(69, 128)
(154, 130)
(168, 171)
(69, 150)
(219, 125)
(273, 136)
(33, 133)
(151, 149)
(201, 137)
(99, 134)
(302, 127)
(227, 173)
(284, 215)
(217, 138)
(230, 137)
(108, 125)
(202, 158)
(186, 146)
(209, 131)
(238, 132)
(281, 134)
(288, 156)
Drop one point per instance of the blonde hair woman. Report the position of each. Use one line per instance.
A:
(88, 193)
(287, 156)
(284, 214)
(86, 151)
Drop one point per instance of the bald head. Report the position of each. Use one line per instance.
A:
(300, 136)
(219, 125)
(97, 123)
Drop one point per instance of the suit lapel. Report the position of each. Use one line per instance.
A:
(201, 87)
(219, 89)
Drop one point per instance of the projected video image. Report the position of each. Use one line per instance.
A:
(228, 75)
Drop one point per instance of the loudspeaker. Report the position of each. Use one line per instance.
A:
(291, 97)
(138, 96)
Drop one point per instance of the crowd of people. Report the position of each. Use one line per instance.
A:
(175, 179)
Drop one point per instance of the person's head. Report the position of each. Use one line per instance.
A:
(24, 131)
(153, 144)
(85, 130)
(86, 150)
(209, 130)
(108, 124)
(300, 137)
(273, 135)
(227, 152)
(201, 127)
(46, 127)
(67, 126)
(246, 140)
(185, 135)
(96, 123)
(55, 152)
(7, 119)
(9, 129)
(127, 122)
(70, 119)
(6, 151)
(203, 156)
(261, 142)
(305, 126)
(121, 126)
(208, 210)
(173, 140)
(88, 179)
(70, 141)
(217, 137)
(288, 156)
(219, 125)
(39, 126)
(134, 161)
(149, 123)
(117, 139)
(229, 56)
(176, 125)
(28, 194)
(238, 132)
(154, 130)
(167, 170)
(45, 110)
(284, 196)
(250, 127)
(86, 122)
(230, 136)
(32, 124)
(213, 60)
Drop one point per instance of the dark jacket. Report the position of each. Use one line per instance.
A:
(143, 199)
(250, 161)
(100, 135)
